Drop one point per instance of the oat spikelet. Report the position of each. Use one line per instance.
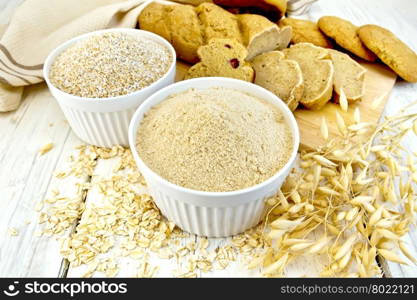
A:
(340, 124)
(415, 126)
(407, 253)
(343, 102)
(277, 266)
(324, 161)
(286, 224)
(300, 246)
(324, 130)
(319, 245)
(357, 115)
(375, 217)
(347, 245)
(389, 255)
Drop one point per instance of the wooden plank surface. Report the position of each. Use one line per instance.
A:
(26, 177)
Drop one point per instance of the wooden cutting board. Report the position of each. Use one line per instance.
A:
(379, 81)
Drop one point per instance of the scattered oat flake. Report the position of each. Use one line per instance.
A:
(13, 231)
(46, 148)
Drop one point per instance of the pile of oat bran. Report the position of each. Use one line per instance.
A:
(108, 65)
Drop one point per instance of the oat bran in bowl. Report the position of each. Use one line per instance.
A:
(100, 78)
(212, 150)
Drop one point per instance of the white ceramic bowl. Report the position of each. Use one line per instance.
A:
(104, 122)
(212, 214)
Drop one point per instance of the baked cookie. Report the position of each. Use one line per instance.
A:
(318, 73)
(391, 50)
(305, 31)
(349, 76)
(281, 76)
(344, 34)
(222, 57)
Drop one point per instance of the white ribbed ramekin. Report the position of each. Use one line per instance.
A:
(104, 122)
(212, 214)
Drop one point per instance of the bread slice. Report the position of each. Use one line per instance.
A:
(281, 76)
(218, 22)
(348, 75)
(318, 73)
(261, 35)
(222, 57)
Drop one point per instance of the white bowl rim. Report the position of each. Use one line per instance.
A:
(54, 53)
(293, 123)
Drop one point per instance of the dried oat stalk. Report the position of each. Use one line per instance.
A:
(348, 207)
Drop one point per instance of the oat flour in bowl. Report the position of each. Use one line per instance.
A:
(216, 140)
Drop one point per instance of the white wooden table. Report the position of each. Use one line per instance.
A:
(27, 178)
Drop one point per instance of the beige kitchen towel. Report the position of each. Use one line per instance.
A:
(39, 26)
